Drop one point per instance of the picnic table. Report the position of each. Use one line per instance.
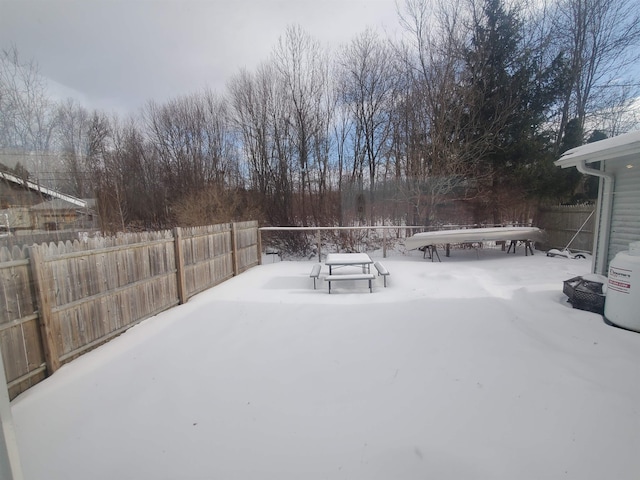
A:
(337, 260)
(348, 259)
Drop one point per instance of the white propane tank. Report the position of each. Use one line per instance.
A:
(622, 304)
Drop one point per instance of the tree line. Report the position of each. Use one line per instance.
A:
(457, 119)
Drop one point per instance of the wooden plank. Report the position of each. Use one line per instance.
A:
(102, 340)
(14, 263)
(18, 321)
(234, 249)
(33, 344)
(11, 356)
(23, 384)
(21, 322)
(43, 283)
(10, 466)
(33, 373)
(87, 320)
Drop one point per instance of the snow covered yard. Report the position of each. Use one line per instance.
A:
(473, 368)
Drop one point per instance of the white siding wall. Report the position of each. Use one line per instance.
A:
(625, 219)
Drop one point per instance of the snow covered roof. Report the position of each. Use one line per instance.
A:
(56, 204)
(43, 190)
(615, 148)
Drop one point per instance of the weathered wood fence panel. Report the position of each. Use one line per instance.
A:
(22, 351)
(207, 256)
(246, 239)
(562, 222)
(100, 293)
(61, 300)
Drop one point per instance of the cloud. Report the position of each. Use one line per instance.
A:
(123, 53)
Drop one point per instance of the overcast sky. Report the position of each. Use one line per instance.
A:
(121, 53)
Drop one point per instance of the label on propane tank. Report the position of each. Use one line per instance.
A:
(619, 279)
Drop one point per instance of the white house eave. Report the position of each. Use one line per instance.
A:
(617, 148)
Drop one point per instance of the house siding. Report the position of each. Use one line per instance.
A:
(625, 218)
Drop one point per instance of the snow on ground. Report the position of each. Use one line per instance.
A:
(473, 368)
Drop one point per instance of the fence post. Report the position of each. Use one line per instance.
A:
(384, 241)
(180, 278)
(43, 283)
(234, 249)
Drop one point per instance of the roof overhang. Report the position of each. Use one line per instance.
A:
(621, 148)
(43, 190)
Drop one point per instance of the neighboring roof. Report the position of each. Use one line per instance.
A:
(43, 190)
(615, 148)
(56, 204)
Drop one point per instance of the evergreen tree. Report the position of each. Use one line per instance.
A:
(513, 91)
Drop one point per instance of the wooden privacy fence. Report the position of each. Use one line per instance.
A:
(62, 300)
(562, 222)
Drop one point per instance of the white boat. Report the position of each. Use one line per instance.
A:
(471, 235)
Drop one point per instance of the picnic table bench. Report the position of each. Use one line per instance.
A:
(351, 276)
(315, 273)
(382, 270)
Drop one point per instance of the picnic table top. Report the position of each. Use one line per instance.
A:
(348, 259)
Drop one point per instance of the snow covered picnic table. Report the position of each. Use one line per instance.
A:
(338, 260)
(348, 259)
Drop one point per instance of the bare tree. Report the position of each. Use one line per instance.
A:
(110, 174)
(190, 139)
(599, 39)
(262, 117)
(439, 124)
(73, 137)
(368, 87)
(27, 114)
(620, 113)
(302, 68)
